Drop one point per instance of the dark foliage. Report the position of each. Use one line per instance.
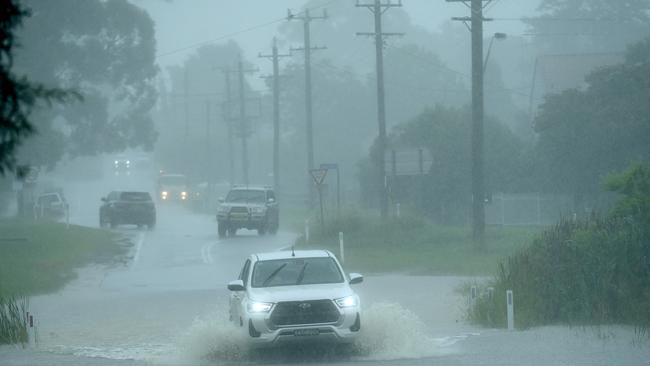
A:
(18, 96)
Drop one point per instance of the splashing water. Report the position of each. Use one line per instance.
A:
(389, 331)
(213, 338)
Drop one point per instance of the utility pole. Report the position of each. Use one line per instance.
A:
(276, 112)
(478, 185)
(378, 8)
(242, 121)
(186, 137)
(208, 145)
(306, 19)
(228, 118)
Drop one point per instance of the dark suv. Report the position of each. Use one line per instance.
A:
(122, 208)
(252, 208)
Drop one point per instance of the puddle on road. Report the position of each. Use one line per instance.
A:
(156, 353)
(389, 332)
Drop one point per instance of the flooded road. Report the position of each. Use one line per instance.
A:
(167, 305)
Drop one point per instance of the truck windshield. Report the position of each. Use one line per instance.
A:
(172, 180)
(135, 196)
(246, 195)
(296, 271)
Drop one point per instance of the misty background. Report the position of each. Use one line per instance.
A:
(156, 75)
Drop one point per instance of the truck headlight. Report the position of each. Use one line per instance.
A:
(259, 307)
(222, 209)
(183, 195)
(347, 302)
(164, 194)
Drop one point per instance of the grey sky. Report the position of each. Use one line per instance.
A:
(181, 25)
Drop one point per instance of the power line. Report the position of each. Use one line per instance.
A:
(236, 33)
(569, 19)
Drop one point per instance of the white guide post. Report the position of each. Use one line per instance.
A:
(511, 310)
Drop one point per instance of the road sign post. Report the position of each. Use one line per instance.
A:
(334, 166)
(318, 175)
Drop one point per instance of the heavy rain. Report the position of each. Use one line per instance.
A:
(335, 182)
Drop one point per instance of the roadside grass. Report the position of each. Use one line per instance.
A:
(587, 272)
(38, 257)
(412, 245)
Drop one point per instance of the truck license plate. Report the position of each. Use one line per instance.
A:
(305, 332)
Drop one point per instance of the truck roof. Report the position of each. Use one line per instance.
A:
(285, 254)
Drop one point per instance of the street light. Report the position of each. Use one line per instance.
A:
(499, 36)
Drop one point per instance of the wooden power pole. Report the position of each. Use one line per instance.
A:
(378, 8)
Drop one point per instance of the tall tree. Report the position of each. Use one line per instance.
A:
(18, 95)
(582, 26)
(106, 51)
(444, 192)
(585, 135)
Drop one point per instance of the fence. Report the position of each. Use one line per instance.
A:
(527, 209)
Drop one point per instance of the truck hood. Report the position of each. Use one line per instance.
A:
(301, 292)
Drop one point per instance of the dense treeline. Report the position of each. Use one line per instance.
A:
(592, 271)
(581, 136)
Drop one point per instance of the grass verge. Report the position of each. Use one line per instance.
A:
(412, 245)
(41, 257)
(587, 272)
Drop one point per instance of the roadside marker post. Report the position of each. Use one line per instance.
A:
(307, 231)
(31, 335)
(397, 210)
(341, 247)
(510, 310)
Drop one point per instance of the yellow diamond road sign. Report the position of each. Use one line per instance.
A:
(318, 175)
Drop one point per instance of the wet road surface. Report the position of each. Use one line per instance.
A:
(168, 305)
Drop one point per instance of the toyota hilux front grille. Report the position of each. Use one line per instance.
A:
(304, 312)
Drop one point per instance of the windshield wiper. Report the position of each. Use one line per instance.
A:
(301, 275)
(270, 277)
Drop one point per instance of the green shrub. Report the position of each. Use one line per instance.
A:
(595, 271)
(13, 321)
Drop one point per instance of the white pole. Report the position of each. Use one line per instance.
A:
(511, 310)
(307, 231)
(341, 247)
(398, 213)
(30, 331)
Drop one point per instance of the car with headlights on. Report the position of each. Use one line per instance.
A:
(121, 166)
(248, 207)
(173, 187)
(295, 296)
